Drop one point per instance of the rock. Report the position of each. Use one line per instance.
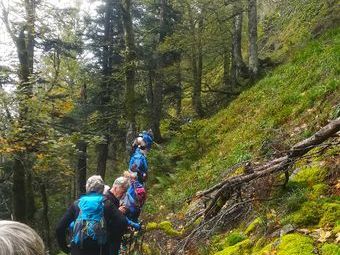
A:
(286, 229)
(304, 231)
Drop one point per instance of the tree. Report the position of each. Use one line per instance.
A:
(130, 69)
(252, 33)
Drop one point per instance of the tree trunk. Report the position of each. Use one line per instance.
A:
(81, 168)
(196, 62)
(150, 96)
(226, 68)
(46, 221)
(102, 154)
(130, 58)
(25, 49)
(178, 95)
(252, 27)
(30, 203)
(238, 67)
(19, 189)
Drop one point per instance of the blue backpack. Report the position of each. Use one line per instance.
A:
(90, 223)
(138, 162)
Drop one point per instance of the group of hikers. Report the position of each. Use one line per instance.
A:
(96, 222)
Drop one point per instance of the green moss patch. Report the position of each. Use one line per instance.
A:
(295, 244)
(165, 226)
(331, 213)
(330, 249)
(241, 248)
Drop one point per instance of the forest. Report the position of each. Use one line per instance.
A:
(240, 98)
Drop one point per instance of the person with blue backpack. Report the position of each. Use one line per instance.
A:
(138, 165)
(97, 224)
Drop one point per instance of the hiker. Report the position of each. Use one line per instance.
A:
(143, 142)
(134, 200)
(138, 165)
(17, 238)
(98, 225)
(118, 190)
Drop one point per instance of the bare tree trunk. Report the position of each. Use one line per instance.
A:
(44, 199)
(24, 43)
(19, 189)
(196, 62)
(81, 168)
(238, 67)
(130, 58)
(226, 68)
(179, 86)
(252, 26)
(158, 88)
(30, 203)
(102, 154)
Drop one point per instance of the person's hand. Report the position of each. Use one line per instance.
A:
(122, 209)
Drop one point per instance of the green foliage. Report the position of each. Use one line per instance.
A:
(330, 249)
(295, 244)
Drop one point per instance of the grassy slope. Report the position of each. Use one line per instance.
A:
(287, 105)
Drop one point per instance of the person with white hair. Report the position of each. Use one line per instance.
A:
(19, 239)
(96, 223)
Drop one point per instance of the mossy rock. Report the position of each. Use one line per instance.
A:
(165, 226)
(330, 249)
(331, 213)
(265, 250)
(241, 248)
(295, 244)
(254, 225)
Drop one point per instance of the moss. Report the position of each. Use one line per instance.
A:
(319, 190)
(308, 215)
(241, 248)
(295, 244)
(331, 213)
(330, 249)
(265, 250)
(311, 174)
(337, 227)
(165, 226)
(146, 249)
(254, 225)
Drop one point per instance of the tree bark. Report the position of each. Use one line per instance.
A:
(178, 95)
(19, 189)
(130, 58)
(196, 62)
(30, 203)
(44, 199)
(81, 168)
(102, 154)
(238, 67)
(252, 33)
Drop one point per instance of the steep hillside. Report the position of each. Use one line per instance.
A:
(288, 104)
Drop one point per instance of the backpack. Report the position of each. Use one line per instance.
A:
(148, 139)
(138, 163)
(134, 200)
(90, 227)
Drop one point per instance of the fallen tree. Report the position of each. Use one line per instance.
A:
(225, 200)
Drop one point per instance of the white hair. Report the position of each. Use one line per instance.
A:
(106, 189)
(122, 181)
(95, 184)
(19, 239)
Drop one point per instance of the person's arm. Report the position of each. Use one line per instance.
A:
(63, 225)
